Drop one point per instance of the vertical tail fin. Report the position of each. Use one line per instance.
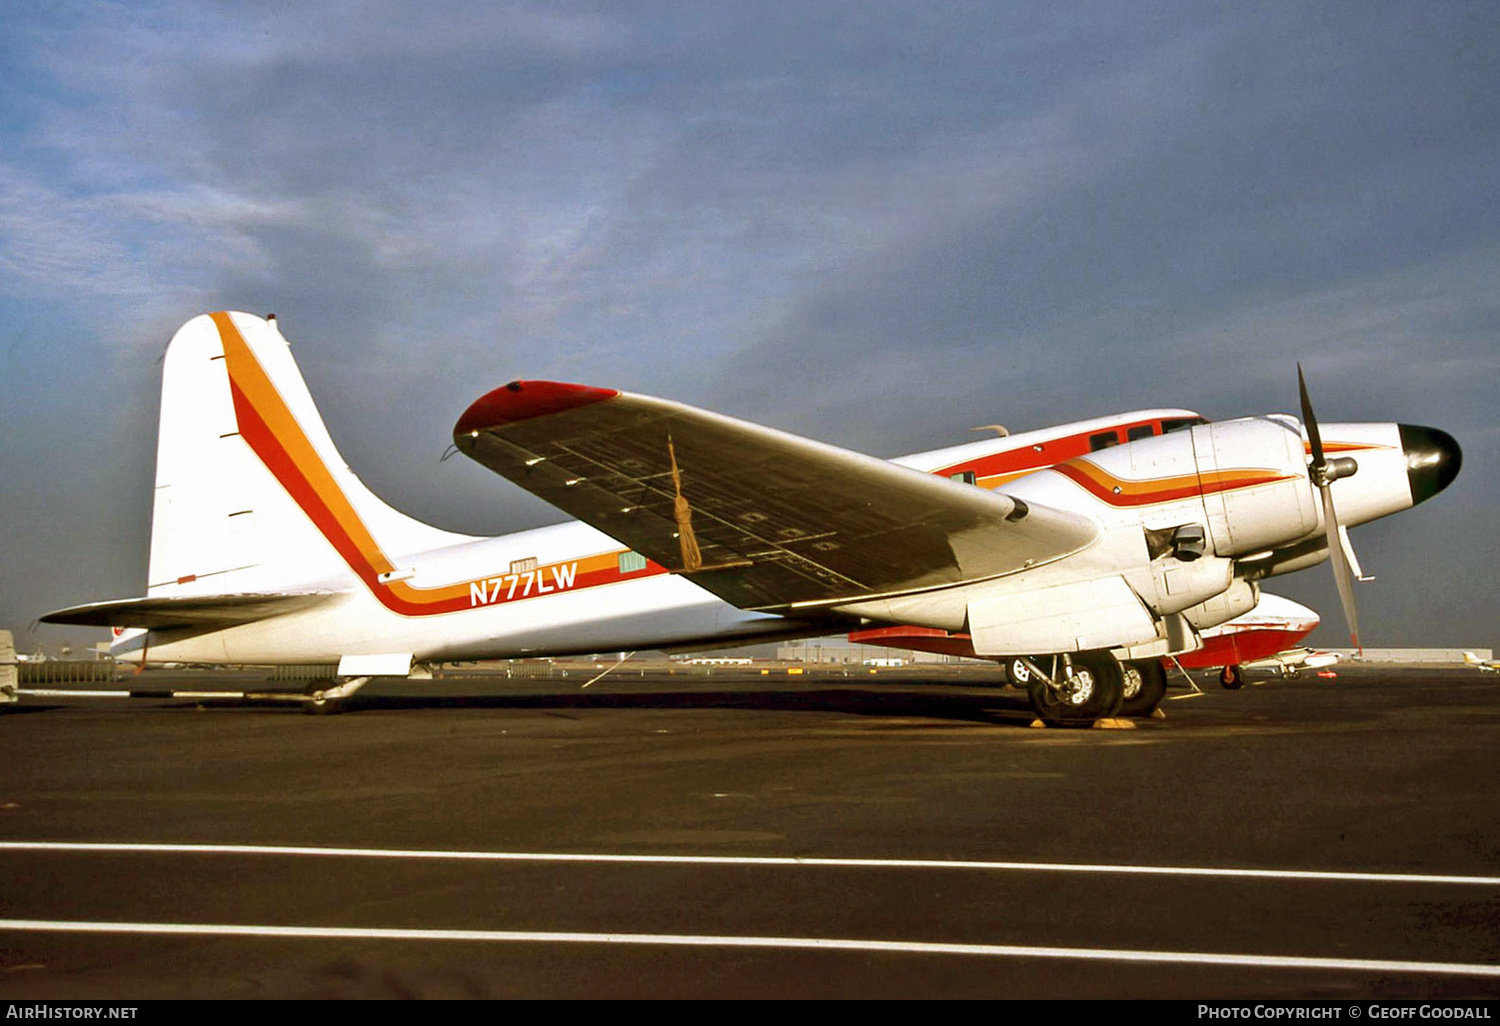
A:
(251, 494)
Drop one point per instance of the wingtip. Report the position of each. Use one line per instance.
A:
(523, 400)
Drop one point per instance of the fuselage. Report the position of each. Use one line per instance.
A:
(569, 589)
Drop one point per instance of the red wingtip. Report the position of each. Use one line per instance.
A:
(522, 400)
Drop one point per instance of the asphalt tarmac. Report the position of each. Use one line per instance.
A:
(899, 835)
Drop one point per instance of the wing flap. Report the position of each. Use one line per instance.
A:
(185, 611)
(774, 519)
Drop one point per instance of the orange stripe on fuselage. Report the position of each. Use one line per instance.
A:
(1120, 492)
(271, 430)
(1330, 446)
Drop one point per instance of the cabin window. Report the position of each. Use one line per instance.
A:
(1140, 431)
(1179, 423)
(1103, 440)
(632, 562)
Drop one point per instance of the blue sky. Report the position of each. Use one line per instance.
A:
(877, 224)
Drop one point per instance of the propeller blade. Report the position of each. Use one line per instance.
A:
(1311, 423)
(1340, 552)
(1342, 575)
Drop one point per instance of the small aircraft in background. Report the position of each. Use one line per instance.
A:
(699, 529)
(1482, 665)
(1292, 662)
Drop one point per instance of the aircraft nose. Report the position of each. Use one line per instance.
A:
(1432, 460)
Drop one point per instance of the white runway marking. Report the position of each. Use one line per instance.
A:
(731, 860)
(794, 943)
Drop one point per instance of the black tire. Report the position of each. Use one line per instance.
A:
(1232, 676)
(1094, 692)
(1145, 687)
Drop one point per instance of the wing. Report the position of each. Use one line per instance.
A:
(764, 519)
(185, 611)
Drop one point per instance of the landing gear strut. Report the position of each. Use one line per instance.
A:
(1075, 689)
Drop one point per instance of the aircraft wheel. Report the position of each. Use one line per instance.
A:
(316, 706)
(319, 704)
(1094, 691)
(1145, 687)
(1019, 675)
(1232, 676)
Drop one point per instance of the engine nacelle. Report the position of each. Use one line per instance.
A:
(1253, 476)
(1244, 481)
(1241, 597)
(1195, 501)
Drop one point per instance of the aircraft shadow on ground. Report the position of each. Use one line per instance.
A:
(989, 706)
(986, 707)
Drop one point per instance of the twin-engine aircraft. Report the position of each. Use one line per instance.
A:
(696, 528)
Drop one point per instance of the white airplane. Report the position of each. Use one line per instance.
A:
(1483, 665)
(1292, 661)
(698, 528)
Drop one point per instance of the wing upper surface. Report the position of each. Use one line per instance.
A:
(774, 520)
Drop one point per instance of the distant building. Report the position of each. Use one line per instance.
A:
(838, 651)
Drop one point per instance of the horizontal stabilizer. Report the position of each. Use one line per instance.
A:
(186, 611)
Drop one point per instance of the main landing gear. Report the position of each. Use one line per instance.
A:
(1072, 689)
(1145, 687)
